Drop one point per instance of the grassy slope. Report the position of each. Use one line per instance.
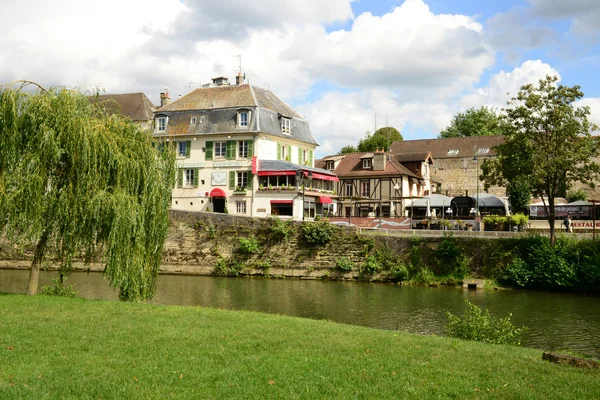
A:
(62, 348)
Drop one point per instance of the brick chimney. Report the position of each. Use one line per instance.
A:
(239, 79)
(165, 100)
(379, 160)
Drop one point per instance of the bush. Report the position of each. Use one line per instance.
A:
(249, 246)
(399, 273)
(424, 276)
(318, 232)
(519, 220)
(279, 229)
(343, 264)
(479, 325)
(59, 289)
(371, 266)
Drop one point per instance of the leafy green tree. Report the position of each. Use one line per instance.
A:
(576, 195)
(548, 142)
(381, 139)
(519, 194)
(347, 150)
(81, 182)
(474, 122)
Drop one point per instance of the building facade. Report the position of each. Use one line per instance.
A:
(242, 150)
(136, 106)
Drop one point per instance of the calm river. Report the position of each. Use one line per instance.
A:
(554, 321)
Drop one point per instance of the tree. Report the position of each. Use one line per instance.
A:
(381, 139)
(81, 182)
(482, 122)
(576, 195)
(548, 142)
(347, 150)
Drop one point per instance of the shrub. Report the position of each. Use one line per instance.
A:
(424, 276)
(212, 231)
(279, 229)
(478, 325)
(398, 273)
(343, 264)
(519, 220)
(318, 232)
(59, 289)
(371, 266)
(249, 246)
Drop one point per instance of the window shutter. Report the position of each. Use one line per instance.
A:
(230, 151)
(180, 178)
(289, 152)
(209, 151)
(250, 148)
(300, 156)
(196, 173)
(232, 180)
(310, 158)
(250, 180)
(278, 151)
(188, 148)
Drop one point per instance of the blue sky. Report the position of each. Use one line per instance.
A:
(346, 66)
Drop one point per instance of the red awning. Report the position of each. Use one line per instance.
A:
(323, 177)
(325, 200)
(217, 193)
(282, 201)
(276, 173)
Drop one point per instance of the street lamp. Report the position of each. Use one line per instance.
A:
(300, 181)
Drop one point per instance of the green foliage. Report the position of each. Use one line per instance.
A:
(519, 194)
(371, 266)
(399, 273)
(212, 231)
(423, 276)
(451, 258)
(344, 264)
(381, 139)
(347, 150)
(280, 230)
(519, 220)
(482, 122)
(318, 232)
(249, 245)
(576, 195)
(478, 325)
(228, 267)
(548, 143)
(75, 177)
(58, 288)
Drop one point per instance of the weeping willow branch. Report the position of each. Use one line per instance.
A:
(89, 179)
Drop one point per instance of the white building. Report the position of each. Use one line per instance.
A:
(243, 150)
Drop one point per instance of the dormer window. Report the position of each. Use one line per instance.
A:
(192, 120)
(367, 163)
(330, 165)
(453, 152)
(243, 118)
(286, 126)
(161, 124)
(483, 150)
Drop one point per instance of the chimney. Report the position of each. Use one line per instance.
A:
(165, 100)
(239, 79)
(220, 81)
(379, 160)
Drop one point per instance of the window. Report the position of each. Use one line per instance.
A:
(220, 149)
(349, 189)
(482, 150)
(367, 163)
(304, 156)
(188, 177)
(192, 120)
(453, 152)
(286, 126)
(242, 179)
(329, 165)
(365, 187)
(181, 149)
(284, 153)
(243, 119)
(243, 149)
(161, 124)
(240, 207)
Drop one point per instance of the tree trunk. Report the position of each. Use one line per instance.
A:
(34, 273)
(552, 220)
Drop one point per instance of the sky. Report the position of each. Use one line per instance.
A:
(347, 66)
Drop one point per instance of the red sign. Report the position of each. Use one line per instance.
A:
(282, 201)
(254, 165)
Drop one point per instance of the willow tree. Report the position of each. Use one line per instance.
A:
(83, 183)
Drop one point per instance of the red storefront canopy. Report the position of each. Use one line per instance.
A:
(217, 193)
(282, 201)
(325, 200)
(323, 177)
(276, 173)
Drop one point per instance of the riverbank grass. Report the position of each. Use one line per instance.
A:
(74, 348)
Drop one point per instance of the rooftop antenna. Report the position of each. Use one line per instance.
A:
(375, 122)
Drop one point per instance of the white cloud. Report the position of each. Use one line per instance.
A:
(584, 14)
(594, 104)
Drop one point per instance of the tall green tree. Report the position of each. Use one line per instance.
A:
(347, 150)
(381, 139)
(81, 182)
(474, 122)
(548, 142)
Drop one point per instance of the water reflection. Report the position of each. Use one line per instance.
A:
(554, 321)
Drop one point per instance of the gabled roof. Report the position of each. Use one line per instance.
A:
(351, 166)
(450, 147)
(133, 105)
(412, 157)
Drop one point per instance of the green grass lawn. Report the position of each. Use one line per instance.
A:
(73, 348)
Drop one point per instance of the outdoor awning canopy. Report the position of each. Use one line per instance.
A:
(325, 200)
(282, 201)
(217, 193)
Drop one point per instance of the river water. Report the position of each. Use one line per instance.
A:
(555, 321)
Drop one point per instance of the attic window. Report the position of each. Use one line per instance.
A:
(329, 165)
(483, 150)
(453, 152)
(192, 120)
(286, 126)
(243, 117)
(367, 163)
(161, 124)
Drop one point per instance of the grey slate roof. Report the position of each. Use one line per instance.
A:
(216, 109)
(282, 165)
(446, 148)
(133, 105)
